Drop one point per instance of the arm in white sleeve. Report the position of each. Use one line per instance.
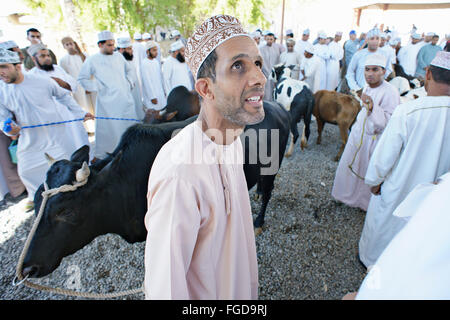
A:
(84, 77)
(173, 222)
(65, 98)
(351, 73)
(387, 151)
(379, 117)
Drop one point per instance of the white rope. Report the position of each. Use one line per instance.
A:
(45, 195)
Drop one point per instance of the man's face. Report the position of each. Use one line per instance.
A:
(70, 47)
(107, 47)
(153, 52)
(428, 38)
(434, 40)
(239, 87)
(34, 37)
(182, 51)
(337, 38)
(374, 74)
(322, 40)
(270, 40)
(353, 37)
(127, 53)
(373, 43)
(290, 46)
(44, 60)
(382, 42)
(307, 55)
(257, 39)
(9, 72)
(362, 36)
(305, 37)
(414, 41)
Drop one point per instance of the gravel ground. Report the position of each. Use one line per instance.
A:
(308, 249)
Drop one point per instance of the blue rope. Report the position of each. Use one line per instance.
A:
(7, 125)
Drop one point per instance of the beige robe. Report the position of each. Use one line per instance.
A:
(200, 241)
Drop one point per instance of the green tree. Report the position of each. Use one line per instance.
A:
(145, 15)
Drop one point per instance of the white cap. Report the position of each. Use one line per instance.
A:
(322, 35)
(146, 36)
(338, 33)
(375, 59)
(123, 42)
(289, 31)
(175, 33)
(35, 48)
(373, 33)
(7, 56)
(255, 34)
(416, 36)
(306, 31)
(177, 45)
(441, 60)
(430, 34)
(393, 42)
(150, 44)
(8, 44)
(383, 35)
(266, 32)
(137, 36)
(105, 35)
(309, 48)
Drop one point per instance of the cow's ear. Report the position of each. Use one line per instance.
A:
(81, 155)
(171, 115)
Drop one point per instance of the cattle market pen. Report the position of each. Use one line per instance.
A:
(308, 249)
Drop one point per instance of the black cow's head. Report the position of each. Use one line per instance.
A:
(155, 116)
(67, 223)
(281, 71)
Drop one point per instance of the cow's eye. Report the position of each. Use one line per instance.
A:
(65, 215)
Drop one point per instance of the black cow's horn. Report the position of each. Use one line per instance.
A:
(83, 173)
(50, 159)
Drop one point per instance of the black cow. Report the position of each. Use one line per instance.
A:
(181, 104)
(114, 198)
(413, 81)
(296, 97)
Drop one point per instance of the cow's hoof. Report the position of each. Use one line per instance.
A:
(303, 145)
(258, 231)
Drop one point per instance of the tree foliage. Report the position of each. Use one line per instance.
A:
(145, 15)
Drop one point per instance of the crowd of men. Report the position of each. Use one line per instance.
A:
(116, 86)
(390, 150)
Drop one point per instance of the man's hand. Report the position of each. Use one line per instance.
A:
(88, 116)
(15, 129)
(367, 102)
(62, 83)
(154, 101)
(376, 190)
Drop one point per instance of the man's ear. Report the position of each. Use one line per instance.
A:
(203, 88)
(428, 75)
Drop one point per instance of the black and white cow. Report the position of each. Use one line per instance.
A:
(296, 97)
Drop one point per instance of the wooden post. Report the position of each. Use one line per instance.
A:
(282, 22)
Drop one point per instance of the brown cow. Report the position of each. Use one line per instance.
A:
(336, 108)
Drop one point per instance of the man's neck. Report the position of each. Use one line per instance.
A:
(370, 50)
(217, 128)
(19, 79)
(376, 85)
(438, 90)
